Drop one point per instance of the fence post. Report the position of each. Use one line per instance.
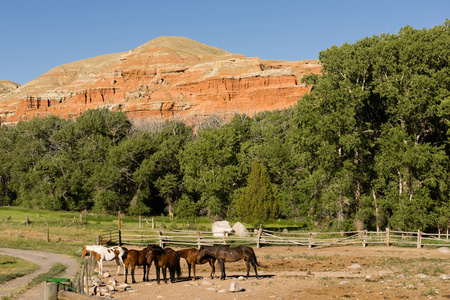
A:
(153, 224)
(419, 239)
(199, 239)
(51, 291)
(161, 243)
(48, 235)
(258, 241)
(85, 278)
(364, 238)
(224, 238)
(310, 243)
(83, 269)
(120, 237)
(388, 241)
(139, 221)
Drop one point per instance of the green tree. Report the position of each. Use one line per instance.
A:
(258, 203)
(210, 169)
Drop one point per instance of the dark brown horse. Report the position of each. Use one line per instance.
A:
(166, 258)
(135, 258)
(229, 254)
(190, 255)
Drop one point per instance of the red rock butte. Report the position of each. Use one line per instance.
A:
(168, 77)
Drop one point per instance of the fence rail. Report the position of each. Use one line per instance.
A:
(263, 237)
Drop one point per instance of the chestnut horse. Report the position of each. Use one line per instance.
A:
(135, 258)
(101, 253)
(190, 255)
(164, 258)
(229, 254)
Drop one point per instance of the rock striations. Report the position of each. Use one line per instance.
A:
(166, 77)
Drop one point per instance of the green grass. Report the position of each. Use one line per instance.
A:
(13, 267)
(54, 271)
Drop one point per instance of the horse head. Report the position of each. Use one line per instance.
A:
(150, 256)
(201, 253)
(84, 251)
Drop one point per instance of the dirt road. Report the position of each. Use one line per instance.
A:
(45, 260)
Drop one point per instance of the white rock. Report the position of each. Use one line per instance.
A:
(205, 282)
(355, 266)
(106, 274)
(240, 229)
(93, 290)
(235, 287)
(444, 249)
(241, 278)
(220, 227)
(445, 276)
(110, 288)
(422, 276)
(112, 282)
(222, 291)
(97, 282)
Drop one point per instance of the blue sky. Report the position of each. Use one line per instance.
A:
(37, 36)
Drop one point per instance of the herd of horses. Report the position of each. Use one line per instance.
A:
(167, 258)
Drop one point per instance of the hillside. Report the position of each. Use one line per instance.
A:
(166, 77)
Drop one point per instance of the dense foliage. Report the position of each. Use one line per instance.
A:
(367, 148)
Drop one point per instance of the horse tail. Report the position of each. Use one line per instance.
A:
(178, 270)
(254, 258)
(125, 254)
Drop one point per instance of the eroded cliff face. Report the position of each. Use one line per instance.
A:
(167, 77)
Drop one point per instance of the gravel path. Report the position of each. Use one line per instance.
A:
(45, 260)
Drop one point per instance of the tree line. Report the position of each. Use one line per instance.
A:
(367, 148)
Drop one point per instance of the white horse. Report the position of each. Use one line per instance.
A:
(101, 253)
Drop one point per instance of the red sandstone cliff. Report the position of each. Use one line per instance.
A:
(168, 76)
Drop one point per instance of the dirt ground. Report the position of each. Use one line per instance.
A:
(351, 272)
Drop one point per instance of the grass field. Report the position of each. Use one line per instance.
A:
(68, 231)
(13, 267)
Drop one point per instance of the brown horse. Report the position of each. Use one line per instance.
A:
(164, 258)
(229, 254)
(135, 258)
(190, 255)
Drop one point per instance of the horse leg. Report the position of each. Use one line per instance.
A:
(126, 273)
(157, 274)
(118, 265)
(164, 271)
(132, 273)
(148, 271)
(254, 267)
(100, 263)
(222, 269)
(172, 274)
(248, 267)
(213, 269)
(189, 269)
(144, 267)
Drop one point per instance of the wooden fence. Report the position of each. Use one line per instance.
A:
(263, 237)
